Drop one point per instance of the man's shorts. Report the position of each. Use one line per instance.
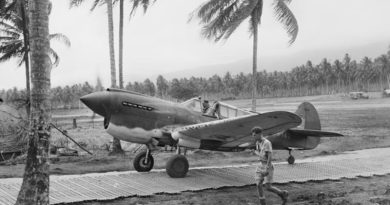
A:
(263, 174)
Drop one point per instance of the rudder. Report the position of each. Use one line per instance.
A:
(309, 115)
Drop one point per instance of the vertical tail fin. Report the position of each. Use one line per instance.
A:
(309, 115)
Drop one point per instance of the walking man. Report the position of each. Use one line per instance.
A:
(265, 169)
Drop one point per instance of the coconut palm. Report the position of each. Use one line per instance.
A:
(35, 186)
(6, 11)
(117, 148)
(14, 40)
(135, 4)
(120, 58)
(220, 18)
(384, 67)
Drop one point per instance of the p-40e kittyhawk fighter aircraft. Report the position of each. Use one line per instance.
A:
(138, 118)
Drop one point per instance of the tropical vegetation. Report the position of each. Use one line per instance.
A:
(220, 18)
(340, 76)
(14, 41)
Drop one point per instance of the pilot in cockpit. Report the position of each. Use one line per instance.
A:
(214, 110)
(205, 106)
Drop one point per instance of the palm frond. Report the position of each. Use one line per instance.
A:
(6, 11)
(243, 12)
(7, 38)
(54, 57)
(22, 59)
(61, 38)
(12, 26)
(12, 43)
(75, 3)
(9, 52)
(208, 10)
(138, 3)
(214, 28)
(255, 18)
(285, 16)
(10, 33)
(96, 3)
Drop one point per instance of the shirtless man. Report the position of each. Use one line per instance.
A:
(265, 170)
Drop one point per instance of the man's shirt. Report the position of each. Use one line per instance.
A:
(263, 147)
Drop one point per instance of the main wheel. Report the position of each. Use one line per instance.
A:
(139, 162)
(177, 166)
(291, 159)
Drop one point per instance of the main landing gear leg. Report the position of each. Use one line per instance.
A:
(143, 161)
(177, 165)
(291, 158)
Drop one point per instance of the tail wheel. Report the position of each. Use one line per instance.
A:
(142, 162)
(177, 166)
(291, 159)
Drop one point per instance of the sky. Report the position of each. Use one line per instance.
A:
(163, 41)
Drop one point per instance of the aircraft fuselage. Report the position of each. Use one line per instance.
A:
(137, 118)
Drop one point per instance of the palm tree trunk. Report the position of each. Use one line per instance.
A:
(111, 42)
(254, 71)
(35, 186)
(116, 144)
(26, 57)
(121, 44)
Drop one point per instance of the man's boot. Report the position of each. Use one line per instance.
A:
(284, 196)
(262, 201)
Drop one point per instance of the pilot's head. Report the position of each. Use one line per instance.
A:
(257, 133)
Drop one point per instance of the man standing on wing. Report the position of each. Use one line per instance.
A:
(265, 170)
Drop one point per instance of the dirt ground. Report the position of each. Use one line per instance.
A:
(365, 124)
(357, 191)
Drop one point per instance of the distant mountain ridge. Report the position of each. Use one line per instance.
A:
(283, 62)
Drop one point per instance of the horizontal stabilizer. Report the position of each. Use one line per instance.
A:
(312, 133)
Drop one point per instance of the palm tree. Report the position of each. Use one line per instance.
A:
(117, 148)
(222, 17)
(135, 4)
(35, 186)
(120, 58)
(6, 11)
(338, 72)
(347, 70)
(384, 66)
(14, 40)
(116, 143)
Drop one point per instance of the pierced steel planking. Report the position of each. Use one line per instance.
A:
(105, 186)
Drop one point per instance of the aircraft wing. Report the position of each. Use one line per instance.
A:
(313, 133)
(238, 128)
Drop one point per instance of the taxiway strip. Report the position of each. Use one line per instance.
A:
(106, 186)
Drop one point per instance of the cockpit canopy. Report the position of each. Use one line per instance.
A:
(226, 110)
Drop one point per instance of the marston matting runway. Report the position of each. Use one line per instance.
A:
(105, 186)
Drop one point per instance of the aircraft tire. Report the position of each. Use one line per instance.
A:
(291, 159)
(139, 162)
(177, 166)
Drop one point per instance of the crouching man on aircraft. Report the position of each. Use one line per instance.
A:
(265, 169)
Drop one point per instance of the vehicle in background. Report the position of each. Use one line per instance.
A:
(386, 93)
(358, 95)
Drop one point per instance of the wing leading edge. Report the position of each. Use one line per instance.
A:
(235, 131)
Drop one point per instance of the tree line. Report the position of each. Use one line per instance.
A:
(340, 76)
